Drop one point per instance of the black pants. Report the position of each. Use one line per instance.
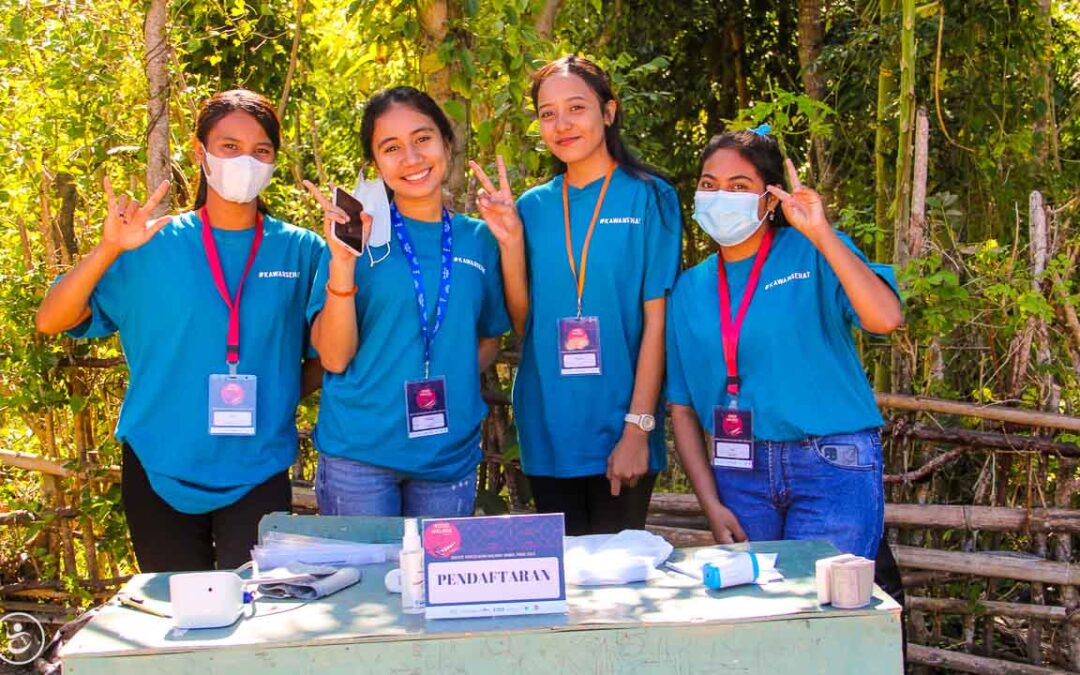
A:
(588, 505)
(167, 540)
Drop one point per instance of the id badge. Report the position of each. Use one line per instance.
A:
(733, 438)
(425, 408)
(232, 405)
(579, 346)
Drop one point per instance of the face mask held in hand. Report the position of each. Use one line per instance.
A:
(237, 179)
(728, 217)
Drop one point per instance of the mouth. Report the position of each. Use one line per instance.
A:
(568, 141)
(417, 177)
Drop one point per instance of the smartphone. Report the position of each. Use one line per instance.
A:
(350, 233)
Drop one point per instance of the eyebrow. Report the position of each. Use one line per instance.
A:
(238, 140)
(737, 177)
(575, 97)
(417, 130)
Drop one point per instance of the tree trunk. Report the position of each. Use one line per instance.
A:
(434, 21)
(811, 37)
(1046, 136)
(545, 20)
(158, 161)
(882, 136)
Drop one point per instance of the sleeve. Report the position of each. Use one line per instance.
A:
(317, 297)
(106, 305)
(676, 390)
(884, 272)
(494, 320)
(663, 240)
(315, 254)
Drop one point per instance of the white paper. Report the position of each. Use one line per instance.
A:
(612, 559)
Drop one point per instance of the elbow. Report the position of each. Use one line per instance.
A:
(886, 323)
(45, 324)
(333, 364)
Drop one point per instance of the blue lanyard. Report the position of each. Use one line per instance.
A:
(427, 332)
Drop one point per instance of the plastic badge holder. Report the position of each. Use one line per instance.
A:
(206, 599)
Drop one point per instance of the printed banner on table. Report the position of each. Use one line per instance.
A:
(494, 566)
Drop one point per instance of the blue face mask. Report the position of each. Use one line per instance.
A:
(730, 218)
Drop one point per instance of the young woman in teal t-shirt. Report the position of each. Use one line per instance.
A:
(404, 339)
(775, 422)
(589, 258)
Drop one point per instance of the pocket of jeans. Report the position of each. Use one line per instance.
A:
(851, 452)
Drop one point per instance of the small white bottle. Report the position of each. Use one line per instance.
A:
(411, 560)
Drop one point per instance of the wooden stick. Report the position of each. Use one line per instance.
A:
(1017, 610)
(988, 565)
(969, 663)
(31, 462)
(991, 518)
(680, 538)
(997, 413)
(982, 439)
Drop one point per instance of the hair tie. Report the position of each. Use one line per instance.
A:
(762, 130)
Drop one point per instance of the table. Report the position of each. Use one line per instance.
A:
(668, 625)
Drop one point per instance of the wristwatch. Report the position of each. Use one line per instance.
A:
(646, 421)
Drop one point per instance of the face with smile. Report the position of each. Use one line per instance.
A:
(410, 153)
(727, 170)
(572, 118)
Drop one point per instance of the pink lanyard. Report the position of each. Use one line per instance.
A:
(232, 343)
(729, 330)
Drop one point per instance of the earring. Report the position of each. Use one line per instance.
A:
(771, 215)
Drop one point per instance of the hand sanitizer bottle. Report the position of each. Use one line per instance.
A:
(412, 569)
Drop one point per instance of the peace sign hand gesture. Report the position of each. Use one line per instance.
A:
(803, 207)
(126, 227)
(497, 206)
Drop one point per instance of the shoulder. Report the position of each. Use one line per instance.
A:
(475, 230)
(691, 282)
(540, 194)
(302, 237)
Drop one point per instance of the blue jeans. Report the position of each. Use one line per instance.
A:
(825, 487)
(344, 487)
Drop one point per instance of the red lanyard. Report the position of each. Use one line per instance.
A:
(729, 330)
(232, 343)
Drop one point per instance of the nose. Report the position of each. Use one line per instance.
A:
(412, 154)
(562, 121)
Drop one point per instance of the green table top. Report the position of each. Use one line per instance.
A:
(366, 612)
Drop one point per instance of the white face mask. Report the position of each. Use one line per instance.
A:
(730, 218)
(237, 179)
(372, 194)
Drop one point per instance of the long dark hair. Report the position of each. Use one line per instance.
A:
(411, 97)
(761, 150)
(223, 103)
(598, 81)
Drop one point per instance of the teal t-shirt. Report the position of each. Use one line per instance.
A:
(362, 412)
(799, 369)
(568, 425)
(172, 322)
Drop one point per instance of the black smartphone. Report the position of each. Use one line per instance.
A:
(350, 233)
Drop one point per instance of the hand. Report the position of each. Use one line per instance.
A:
(497, 206)
(126, 227)
(802, 207)
(629, 461)
(331, 215)
(723, 524)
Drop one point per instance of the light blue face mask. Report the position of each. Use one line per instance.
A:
(730, 218)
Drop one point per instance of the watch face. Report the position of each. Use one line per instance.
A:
(648, 422)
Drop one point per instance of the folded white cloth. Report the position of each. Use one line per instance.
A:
(306, 582)
(611, 559)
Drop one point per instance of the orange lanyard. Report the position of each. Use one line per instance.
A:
(580, 278)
